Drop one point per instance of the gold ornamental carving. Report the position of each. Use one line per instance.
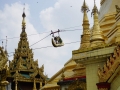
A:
(117, 8)
(77, 85)
(4, 71)
(23, 67)
(110, 66)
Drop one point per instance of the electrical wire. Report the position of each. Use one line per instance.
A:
(42, 38)
(52, 46)
(73, 27)
(46, 47)
(49, 32)
(70, 30)
(42, 32)
(27, 35)
(10, 55)
(61, 30)
(39, 40)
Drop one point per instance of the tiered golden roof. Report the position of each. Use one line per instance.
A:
(4, 71)
(23, 57)
(79, 70)
(23, 68)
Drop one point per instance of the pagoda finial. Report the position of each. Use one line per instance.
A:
(6, 43)
(23, 21)
(62, 76)
(85, 37)
(97, 38)
(2, 45)
(95, 10)
(6, 46)
(84, 8)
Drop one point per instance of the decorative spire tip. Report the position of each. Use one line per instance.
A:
(2, 45)
(23, 15)
(23, 21)
(6, 43)
(95, 10)
(84, 7)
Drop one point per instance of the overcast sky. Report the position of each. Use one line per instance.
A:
(43, 16)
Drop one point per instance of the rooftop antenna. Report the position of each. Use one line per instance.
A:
(6, 44)
(2, 45)
(24, 8)
(94, 2)
(6, 47)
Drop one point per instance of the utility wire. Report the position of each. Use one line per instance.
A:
(40, 33)
(48, 32)
(27, 35)
(52, 46)
(39, 40)
(46, 37)
(48, 46)
(73, 27)
(70, 30)
(49, 35)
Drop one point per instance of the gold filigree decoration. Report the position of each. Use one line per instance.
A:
(77, 85)
(38, 71)
(4, 71)
(23, 66)
(3, 59)
(110, 66)
(117, 8)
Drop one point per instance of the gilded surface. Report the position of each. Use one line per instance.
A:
(3, 59)
(77, 85)
(23, 67)
(97, 38)
(93, 53)
(110, 66)
(3, 69)
(79, 70)
(62, 76)
(85, 41)
(117, 8)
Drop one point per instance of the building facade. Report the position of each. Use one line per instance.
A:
(94, 66)
(24, 72)
(98, 52)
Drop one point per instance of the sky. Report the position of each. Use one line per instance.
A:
(42, 16)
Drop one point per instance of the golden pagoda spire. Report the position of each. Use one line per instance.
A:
(23, 53)
(23, 21)
(97, 38)
(6, 47)
(85, 37)
(62, 75)
(2, 45)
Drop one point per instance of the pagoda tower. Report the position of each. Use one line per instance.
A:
(85, 37)
(25, 73)
(97, 39)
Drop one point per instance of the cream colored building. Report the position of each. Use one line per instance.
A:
(99, 52)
